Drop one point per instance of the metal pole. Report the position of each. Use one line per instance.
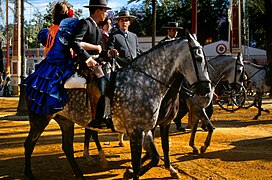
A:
(22, 107)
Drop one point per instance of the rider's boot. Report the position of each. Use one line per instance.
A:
(103, 106)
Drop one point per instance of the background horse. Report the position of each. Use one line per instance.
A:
(227, 68)
(138, 91)
(256, 83)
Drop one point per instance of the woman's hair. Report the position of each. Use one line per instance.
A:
(102, 23)
(60, 12)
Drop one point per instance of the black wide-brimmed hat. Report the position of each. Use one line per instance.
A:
(173, 25)
(124, 14)
(98, 3)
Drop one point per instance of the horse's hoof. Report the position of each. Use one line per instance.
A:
(104, 164)
(202, 150)
(181, 128)
(81, 178)
(29, 175)
(121, 144)
(195, 151)
(255, 118)
(129, 173)
(176, 176)
(204, 127)
(174, 173)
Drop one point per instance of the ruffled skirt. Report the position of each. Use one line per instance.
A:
(45, 87)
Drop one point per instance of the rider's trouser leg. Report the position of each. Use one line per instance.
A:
(103, 105)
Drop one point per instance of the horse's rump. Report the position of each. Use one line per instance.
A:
(78, 108)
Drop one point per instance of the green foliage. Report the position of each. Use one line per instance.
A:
(40, 21)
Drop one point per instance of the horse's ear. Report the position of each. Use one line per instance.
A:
(188, 35)
(192, 39)
(240, 55)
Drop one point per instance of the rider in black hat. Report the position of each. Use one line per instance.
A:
(87, 30)
(172, 31)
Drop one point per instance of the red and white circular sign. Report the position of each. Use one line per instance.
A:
(221, 48)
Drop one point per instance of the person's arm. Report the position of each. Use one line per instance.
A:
(80, 30)
(138, 50)
(92, 47)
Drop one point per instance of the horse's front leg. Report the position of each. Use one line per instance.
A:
(194, 120)
(151, 149)
(206, 120)
(164, 131)
(121, 139)
(37, 126)
(67, 129)
(136, 144)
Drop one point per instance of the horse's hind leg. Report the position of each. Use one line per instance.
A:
(258, 105)
(37, 126)
(102, 157)
(67, 129)
(164, 131)
(87, 136)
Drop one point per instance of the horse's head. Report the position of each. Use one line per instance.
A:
(196, 71)
(236, 73)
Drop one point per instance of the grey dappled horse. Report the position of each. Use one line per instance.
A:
(138, 91)
(256, 81)
(168, 109)
(225, 67)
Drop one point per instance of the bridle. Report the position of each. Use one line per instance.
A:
(196, 57)
(237, 64)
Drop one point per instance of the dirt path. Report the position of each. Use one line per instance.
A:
(241, 148)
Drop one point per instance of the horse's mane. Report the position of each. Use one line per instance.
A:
(221, 56)
(255, 65)
(158, 46)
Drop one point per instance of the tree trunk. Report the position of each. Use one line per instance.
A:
(268, 29)
(154, 13)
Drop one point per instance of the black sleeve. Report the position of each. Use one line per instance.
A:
(80, 30)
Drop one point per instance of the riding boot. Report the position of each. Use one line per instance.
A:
(103, 105)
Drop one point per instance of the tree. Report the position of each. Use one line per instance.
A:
(260, 25)
(154, 14)
(40, 21)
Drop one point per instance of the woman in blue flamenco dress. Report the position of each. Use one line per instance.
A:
(45, 86)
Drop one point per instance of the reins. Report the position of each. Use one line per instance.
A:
(188, 91)
(259, 69)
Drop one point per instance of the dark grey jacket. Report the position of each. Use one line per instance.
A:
(128, 47)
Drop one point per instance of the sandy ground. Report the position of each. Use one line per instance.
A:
(241, 148)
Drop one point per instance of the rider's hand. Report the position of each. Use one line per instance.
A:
(99, 49)
(91, 62)
(114, 53)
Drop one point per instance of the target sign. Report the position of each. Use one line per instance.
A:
(221, 48)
